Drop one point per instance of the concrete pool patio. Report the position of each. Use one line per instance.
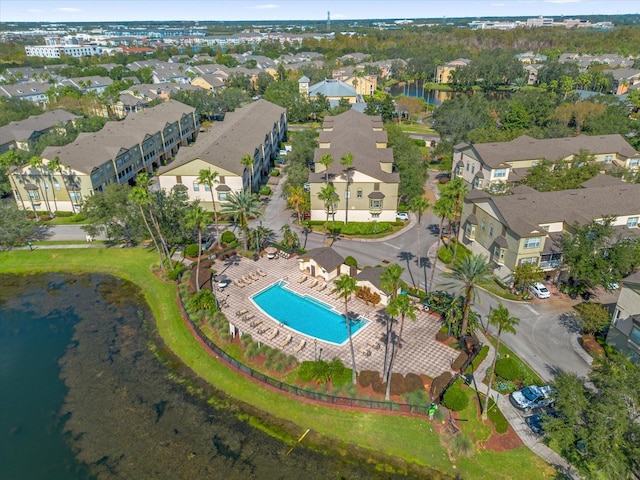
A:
(420, 352)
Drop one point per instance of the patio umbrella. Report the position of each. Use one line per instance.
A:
(271, 250)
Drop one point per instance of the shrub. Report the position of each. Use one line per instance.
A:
(265, 190)
(413, 382)
(440, 383)
(462, 445)
(253, 351)
(397, 384)
(367, 377)
(454, 398)
(191, 250)
(58, 213)
(482, 354)
(417, 397)
(508, 368)
(458, 363)
(445, 255)
(246, 340)
(351, 262)
(442, 336)
(175, 273)
(228, 237)
(274, 173)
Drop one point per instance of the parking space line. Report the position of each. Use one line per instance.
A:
(392, 246)
(531, 308)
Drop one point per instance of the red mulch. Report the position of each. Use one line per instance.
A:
(499, 442)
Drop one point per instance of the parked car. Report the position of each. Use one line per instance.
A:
(539, 290)
(536, 421)
(307, 187)
(443, 177)
(532, 397)
(404, 216)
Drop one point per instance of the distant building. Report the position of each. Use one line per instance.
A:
(25, 133)
(57, 51)
(624, 332)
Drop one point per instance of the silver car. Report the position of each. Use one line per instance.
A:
(532, 397)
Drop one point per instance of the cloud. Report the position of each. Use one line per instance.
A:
(34, 10)
(67, 9)
(267, 6)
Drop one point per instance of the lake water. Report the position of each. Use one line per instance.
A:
(86, 397)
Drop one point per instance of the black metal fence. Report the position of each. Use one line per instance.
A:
(301, 392)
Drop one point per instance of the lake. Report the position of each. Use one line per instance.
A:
(89, 392)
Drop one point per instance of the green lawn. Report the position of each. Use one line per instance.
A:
(408, 439)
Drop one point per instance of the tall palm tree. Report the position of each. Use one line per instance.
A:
(9, 161)
(500, 318)
(35, 162)
(143, 180)
(247, 161)
(56, 167)
(457, 190)
(50, 177)
(419, 205)
(139, 196)
(390, 281)
(196, 218)
(346, 286)
(468, 273)
(296, 199)
(330, 199)
(207, 177)
(401, 307)
(327, 161)
(347, 162)
(442, 208)
(242, 205)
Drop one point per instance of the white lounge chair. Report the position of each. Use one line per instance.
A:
(364, 351)
(313, 283)
(321, 287)
(255, 323)
(286, 341)
(242, 312)
(273, 334)
(261, 272)
(300, 346)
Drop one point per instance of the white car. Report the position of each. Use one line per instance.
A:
(404, 216)
(539, 290)
(532, 397)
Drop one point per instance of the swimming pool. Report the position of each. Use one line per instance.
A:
(305, 315)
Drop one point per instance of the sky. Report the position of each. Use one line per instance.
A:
(230, 10)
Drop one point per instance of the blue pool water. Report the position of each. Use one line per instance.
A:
(305, 315)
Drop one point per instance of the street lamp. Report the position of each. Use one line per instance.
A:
(315, 352)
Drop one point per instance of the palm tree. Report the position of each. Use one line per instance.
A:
(505, 323)
(140, 197)
(207, 177)
(8, 161)
(456, 190)
(296, 200)
(442, 208)
(401, 307)
(347, 162)
(468, 273)
(327, 161)
(51, 178)
(330, 199)
(196, 218)
(346, 286)
(419, 205)
(247, 161)
(35, 162)
(242, 205)
(55, 166)
(143, 180)
(390, 281)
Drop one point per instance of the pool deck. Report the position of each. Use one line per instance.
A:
(420, 352)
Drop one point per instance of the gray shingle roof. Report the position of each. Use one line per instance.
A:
(326, 257)
(22, 130)
(497, 154)
(90, 150)
(524, 211)
(371, 275)
(230, 140)
(332, 88)
(353, 132)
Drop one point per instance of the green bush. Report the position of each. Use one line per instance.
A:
(508, 368)
(442, 336)
(417, 397)
(397, 384)
(191, 250)
(228, 237)
(351, 262)
(58, 213)
(454, 398)
(265, 190)
(175, 273)
(413, 382)
(445, 255)
(274, 173)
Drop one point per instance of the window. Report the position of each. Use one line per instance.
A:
(634, 162)
(498, 254)
(500, 173)
(34, 195)
(375, 215)
(483, 225)
(347, 194)
(473, 168)
(467, 166)
(491, 230)
(632, 222)
(470, 231)
(56, 185)
(608, 158)
(75, 197)
(477, 183)
(375, 204)
(529, 260)
(634, 336)
(359, 193)
(207, 187)
(222, 196)
(196, 187)
(532, 242)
